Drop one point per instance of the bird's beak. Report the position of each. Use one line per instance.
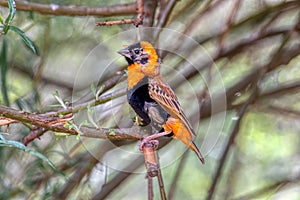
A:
(124, 52)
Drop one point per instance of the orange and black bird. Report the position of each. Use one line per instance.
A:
(152, 98)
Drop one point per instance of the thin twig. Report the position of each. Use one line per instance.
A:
(150, 187)
(46, 46)
(163, 18)
(72, 10)
(140, 10)
(281, 90)
(137, 21)
(160, 181)
(103, 87)
(278, 54)
(279, 110)
(37, 133)
(149, 12)
(228, 25)
(209, 6)
(189, 6)
(116, 22)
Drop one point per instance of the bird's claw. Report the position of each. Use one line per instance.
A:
(146, 141)
(138, 121)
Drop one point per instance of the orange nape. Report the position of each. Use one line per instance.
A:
(181, 132)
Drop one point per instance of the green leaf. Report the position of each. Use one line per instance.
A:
(1, 137)
(101, 89)
(18, 145)
(59, 99)
(68, 125)
(1, 19)
(90, 113)
(29, 43)
(3, 63)
(112, 132)
(11, 15)
(12, 11)
(93, 89)
(60, 135)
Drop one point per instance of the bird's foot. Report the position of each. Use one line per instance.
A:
(138, 121)
(152, 138)
(149, 141)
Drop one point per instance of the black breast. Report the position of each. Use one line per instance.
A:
(137, 96)
(147, 108)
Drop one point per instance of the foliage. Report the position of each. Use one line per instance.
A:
(254, 47)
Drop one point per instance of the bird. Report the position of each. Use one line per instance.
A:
(152, 99)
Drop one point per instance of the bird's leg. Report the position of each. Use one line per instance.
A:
(152, 139)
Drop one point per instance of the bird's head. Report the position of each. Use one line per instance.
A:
(143, 55)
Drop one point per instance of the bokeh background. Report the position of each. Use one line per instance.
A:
(234, 65)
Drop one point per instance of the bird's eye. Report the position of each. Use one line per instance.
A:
(136, 51)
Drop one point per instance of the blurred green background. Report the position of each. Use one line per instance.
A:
(235, 71)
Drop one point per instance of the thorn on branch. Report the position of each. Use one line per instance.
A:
(35, 133)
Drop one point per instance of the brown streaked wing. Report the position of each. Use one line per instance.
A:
(162, 93)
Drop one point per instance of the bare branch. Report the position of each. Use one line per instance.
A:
(160, 182)
(57, 124)
(104, 86)
(71, 10)
(149, 12)
(140, 10)
(116, 22)
(150, 187)
(164, 17)
(228, 25)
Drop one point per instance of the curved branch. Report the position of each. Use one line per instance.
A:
(57, 124)
(71, 10)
